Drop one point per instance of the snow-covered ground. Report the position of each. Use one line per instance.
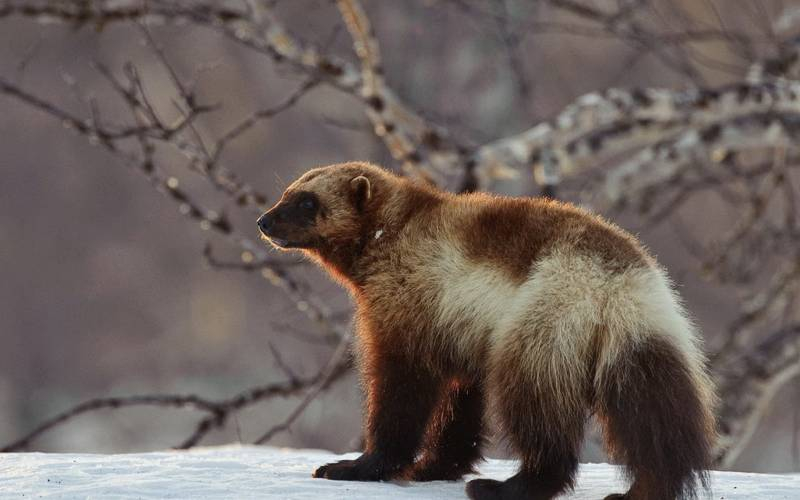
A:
(261, 472)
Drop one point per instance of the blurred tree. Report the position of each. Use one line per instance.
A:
(709, 126)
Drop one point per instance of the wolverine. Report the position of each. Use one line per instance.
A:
(529, 311)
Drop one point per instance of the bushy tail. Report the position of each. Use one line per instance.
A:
(656, 408)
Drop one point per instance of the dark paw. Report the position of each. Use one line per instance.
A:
(335, 470)
(485, 489)
(363, 468)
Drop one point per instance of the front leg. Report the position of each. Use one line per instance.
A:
(455, 434)
(400, 398)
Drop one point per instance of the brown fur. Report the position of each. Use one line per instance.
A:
(430, 366)
(636, 412)
(522, 229)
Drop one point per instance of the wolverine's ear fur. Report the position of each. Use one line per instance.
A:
(361, 190)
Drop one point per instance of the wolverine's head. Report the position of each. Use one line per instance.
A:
(326, 208)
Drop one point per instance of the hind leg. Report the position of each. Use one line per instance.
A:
(656, 421)
(548, 446)
(543, 417)
(454, 437)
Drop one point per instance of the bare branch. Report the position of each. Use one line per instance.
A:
(262, 114)
(103, 13)
(747, 382)
(145, 132)
(336, 367)
(218, 411)
(166, 401)
(247, 262)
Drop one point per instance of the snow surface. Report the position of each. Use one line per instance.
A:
(248, 472)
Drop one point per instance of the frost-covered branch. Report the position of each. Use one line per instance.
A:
(605, 124)
(420, 146)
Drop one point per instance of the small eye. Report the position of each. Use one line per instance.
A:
(307, 204)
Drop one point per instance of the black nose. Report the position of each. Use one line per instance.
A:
(264, 223)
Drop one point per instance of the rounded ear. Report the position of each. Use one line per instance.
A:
(361, 190)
